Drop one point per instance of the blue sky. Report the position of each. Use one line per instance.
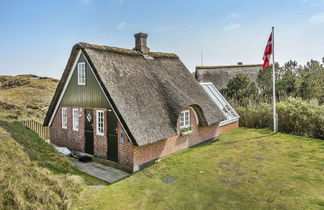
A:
(36, 36)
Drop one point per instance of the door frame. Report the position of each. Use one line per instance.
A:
(85, 130)
(112, 155)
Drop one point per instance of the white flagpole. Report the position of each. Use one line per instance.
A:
(275, 121)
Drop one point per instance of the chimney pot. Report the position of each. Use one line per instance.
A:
(141, 43)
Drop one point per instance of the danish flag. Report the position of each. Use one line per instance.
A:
(267, 53)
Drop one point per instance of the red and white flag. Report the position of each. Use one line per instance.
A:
(267, 53)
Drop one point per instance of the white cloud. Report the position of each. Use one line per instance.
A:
(232, 27)
(233, 15)
(317, 19)
(313, 3)
(121, 25)
(85, 1)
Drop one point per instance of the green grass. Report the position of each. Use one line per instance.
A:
(33, 175)
(243, 169)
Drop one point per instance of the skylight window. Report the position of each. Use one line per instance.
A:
(220, 101)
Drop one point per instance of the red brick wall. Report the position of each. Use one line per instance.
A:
(100, 142)
(75, 140)
(228, 127)
(125, 151)
(128, 153)
(67, 137)
(164, 147)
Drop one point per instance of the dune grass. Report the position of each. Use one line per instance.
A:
(26, 98)
(243, 169)
(33, 175)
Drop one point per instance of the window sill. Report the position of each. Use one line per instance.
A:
(184, 133)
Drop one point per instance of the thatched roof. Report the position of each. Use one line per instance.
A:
(147, 91)
(220, 75)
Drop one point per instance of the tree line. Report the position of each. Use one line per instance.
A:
(292, 80)
(299, 92)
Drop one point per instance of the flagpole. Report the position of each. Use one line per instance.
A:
(275, 121)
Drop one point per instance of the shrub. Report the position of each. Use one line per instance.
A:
(295, 116)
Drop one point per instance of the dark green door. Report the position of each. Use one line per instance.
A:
(112, 136)
(88, 131)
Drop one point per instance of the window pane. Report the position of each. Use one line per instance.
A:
(100, 122)
(81, 73)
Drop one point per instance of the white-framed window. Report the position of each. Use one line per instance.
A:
(185, 119)
(122, 136)
(64, 118)
(100, 122)
(75, 119)
(81, 73)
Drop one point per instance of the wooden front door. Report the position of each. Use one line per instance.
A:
(88, 131)
(112, 136)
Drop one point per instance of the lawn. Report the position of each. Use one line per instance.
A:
(243, 169)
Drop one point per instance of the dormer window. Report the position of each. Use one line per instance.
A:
(81, 74)
(185, 119)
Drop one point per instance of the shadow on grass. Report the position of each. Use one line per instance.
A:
(37, 149)
(205, 143)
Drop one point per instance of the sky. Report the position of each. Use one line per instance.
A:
(37, 36)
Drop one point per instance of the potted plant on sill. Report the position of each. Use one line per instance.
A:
(186, 131)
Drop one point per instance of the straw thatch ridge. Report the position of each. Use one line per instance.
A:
(148, 94)
(228, 66)
(124, 51)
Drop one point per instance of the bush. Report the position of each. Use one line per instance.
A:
(295, 116)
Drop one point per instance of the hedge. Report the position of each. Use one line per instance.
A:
(295, 116)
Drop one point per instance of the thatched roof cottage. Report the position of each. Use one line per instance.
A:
(130, 106)
(220, 75)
